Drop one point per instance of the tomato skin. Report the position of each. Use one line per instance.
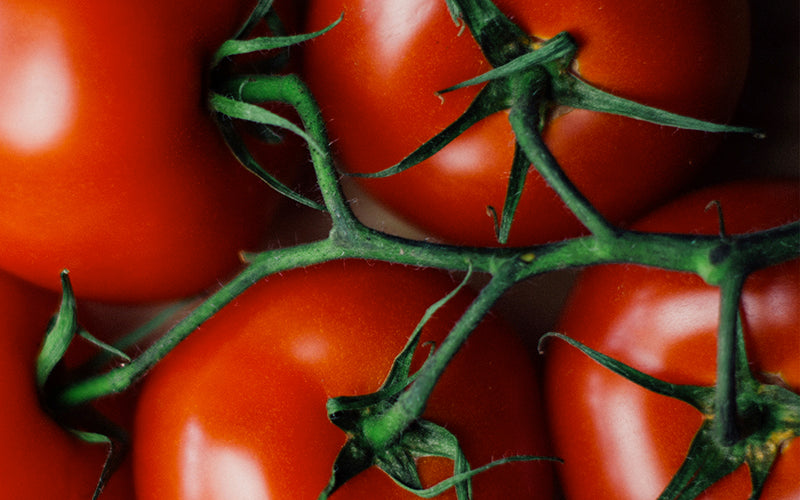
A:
(249, 389)
(379, 70)
(621, 441)
(39, 458)
(111, 164)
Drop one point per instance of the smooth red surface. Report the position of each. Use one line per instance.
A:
(620, 441)
(377, 73)
(238, 409)
(111, 164)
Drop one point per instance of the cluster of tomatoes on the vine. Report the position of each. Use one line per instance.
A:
(113, 169)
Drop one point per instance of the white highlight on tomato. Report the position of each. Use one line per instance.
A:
(37, 94)
(209, 467)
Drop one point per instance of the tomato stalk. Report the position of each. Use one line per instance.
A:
(769, 414)
(351, 239)
(544, 69)
(726, 411)
(732, 272)
(527, 81)
(530, 140)
(500, 40)
(385, 428)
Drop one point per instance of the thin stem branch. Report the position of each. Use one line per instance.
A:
(500, 39)
(725, 404)
(290, 89)
(524, 123)
(118, 379)
(388, 426)
(351, 239)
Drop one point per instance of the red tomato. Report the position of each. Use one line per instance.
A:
(238, 409)
(39, 458)
(377, 73)
(111, 165)
(619, 440)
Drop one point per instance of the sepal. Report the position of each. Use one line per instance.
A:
(769, 418)
(84, 422)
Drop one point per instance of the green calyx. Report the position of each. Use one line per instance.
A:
(385, 430)
(84, 422)
(227, 102)
(767, 418)
(530, 79)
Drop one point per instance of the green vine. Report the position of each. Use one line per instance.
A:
(528, 79)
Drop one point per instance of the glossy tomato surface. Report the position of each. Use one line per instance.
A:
(111, 165)
(238, 409)
(376, 77)
(621, 441)
(39, 459)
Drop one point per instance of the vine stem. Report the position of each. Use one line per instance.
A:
(499, 40)
(725, 404)
(351, 239)
(367, 244)
(524, 118)
(120, 378)
(383, 429)
(290, 89)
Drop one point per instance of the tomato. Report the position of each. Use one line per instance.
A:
(621, 441)
(39, 459)
(376, 77)
(238, 409)
(111, 165)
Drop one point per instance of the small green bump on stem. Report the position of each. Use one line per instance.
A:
(719, 254)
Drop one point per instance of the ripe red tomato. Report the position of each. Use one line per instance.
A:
(377, 73)
(39, 458)
(621, 441)
(238, 409)
(111, 164)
